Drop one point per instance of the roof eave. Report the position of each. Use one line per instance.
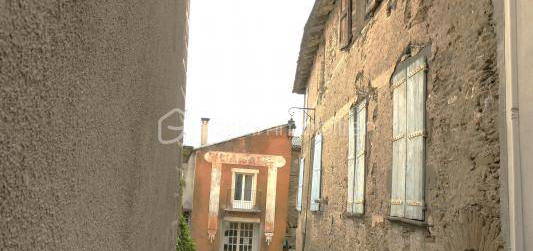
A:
(313, 34)
(242, 136)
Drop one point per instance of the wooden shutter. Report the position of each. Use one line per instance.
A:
(360, 150)
(398, 144)
(414, 176)
(300, 185)
(317, 169)
(351, 159)
(345, 23)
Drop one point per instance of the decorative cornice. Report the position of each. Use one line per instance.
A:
(245, 159)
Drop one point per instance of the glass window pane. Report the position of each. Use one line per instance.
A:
(248, 188)
(238, 187)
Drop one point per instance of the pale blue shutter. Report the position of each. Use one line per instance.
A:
(414, 177)
(398, 144)
(317, 166)
(300, 185)
(351, 159)
(360, 148)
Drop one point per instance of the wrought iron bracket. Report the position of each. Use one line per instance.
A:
(304, 110)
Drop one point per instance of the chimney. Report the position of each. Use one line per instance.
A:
(203, 139)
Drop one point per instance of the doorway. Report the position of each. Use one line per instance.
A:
(240, 236)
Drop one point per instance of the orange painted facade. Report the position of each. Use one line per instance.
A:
(266, 154)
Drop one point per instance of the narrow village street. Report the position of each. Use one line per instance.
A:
(302, 125)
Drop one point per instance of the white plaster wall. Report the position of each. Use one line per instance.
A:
(188, 176)
(525, 99)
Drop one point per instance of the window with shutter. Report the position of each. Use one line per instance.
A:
(345, 23)
(300, 185)
(317, 171)
(370, 5)
(360, 149)
(414, 175)
(398, 144)
(407, 195)
(356, 159)
(351, 159)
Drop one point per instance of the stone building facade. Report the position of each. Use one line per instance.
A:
(402, 149)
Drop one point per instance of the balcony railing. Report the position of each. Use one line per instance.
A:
(243, 200)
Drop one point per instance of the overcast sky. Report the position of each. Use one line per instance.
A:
(241, 65)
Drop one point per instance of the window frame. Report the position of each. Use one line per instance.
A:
(357, 115)
(345, 22)
(228, 232)
(315, 202)
(253, 194)
(301, 172)
(403, 190)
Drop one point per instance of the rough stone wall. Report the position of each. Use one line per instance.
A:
(292, 214)
(82, 86)
(462, 145)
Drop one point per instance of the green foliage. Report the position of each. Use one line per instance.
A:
(184, 241)
(182, 184)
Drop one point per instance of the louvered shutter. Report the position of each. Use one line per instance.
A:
(345, 22)
(317, 166)
(399, 144)
(300, 185)
(360, 159)
(414, 177)
(351, 160)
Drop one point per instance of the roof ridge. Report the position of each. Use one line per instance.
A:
(242, 136)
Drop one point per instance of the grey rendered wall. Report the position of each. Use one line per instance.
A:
(82, 86)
